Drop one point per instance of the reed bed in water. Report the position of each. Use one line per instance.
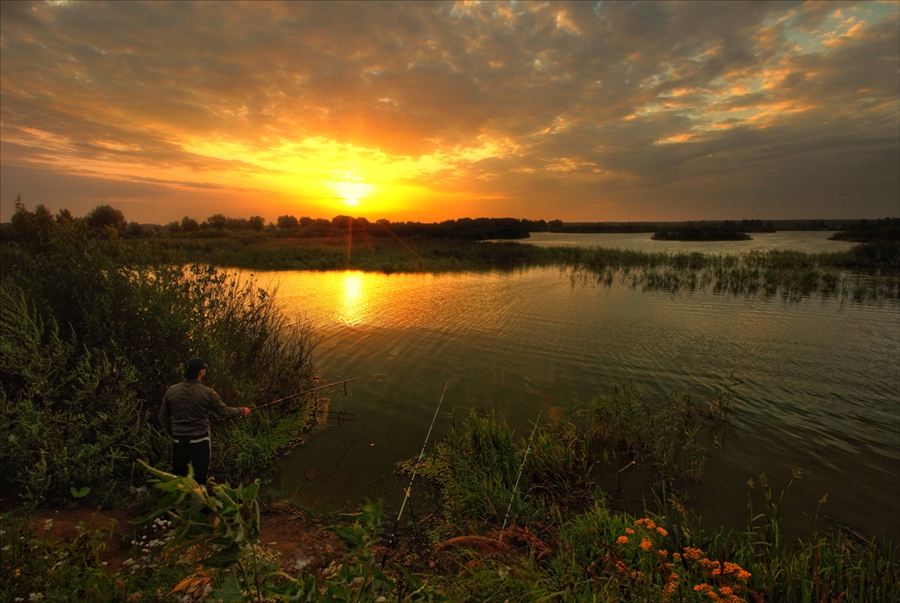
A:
(861, 274)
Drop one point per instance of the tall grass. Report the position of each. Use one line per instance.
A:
(568, 544)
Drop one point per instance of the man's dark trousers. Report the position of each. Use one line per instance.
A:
(195, 451)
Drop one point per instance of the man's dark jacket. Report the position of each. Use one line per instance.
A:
(186, 407)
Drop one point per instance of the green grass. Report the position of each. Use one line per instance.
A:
(569, 544)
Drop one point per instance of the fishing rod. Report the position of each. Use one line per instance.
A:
(408, 490)
(518, 477)
(292, 396)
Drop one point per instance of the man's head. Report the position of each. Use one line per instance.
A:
(193, 367)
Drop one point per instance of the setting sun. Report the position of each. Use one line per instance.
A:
(352, 192)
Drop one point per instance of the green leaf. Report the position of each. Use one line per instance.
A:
(80, 493)
(229, 591)
(224, 558)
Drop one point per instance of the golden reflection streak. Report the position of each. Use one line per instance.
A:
(353, 300)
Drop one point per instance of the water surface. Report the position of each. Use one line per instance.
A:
(819, 393)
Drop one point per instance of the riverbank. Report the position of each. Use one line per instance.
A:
(495, 533)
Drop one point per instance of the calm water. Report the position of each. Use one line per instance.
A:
(820, 379)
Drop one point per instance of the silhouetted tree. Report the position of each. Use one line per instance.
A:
(257, 223)
(189, 224)
(287, 222)
(65, 218)
(217, 221)
(103, 217)
(32, 228)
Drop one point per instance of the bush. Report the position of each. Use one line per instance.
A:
(93, 333)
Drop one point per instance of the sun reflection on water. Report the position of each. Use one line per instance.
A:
(353, 299)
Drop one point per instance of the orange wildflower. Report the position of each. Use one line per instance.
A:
(622, 540)
(694, 554)
(647, 522)
(646, 544)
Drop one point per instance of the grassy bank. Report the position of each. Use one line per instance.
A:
(525, 518)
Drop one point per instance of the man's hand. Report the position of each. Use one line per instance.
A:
(246, 411)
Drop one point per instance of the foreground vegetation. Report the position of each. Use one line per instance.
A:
(565, 540)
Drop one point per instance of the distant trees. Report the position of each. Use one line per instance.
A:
(37, 226)
(287, 222)
(106, 220)
(867, 231)
(257, 223)
(218, 221)
(189, 224)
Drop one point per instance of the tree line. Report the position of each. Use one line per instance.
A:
(105, 221)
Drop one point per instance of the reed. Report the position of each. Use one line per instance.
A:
(605, 555)
(863, 274)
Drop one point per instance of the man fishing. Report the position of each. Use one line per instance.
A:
(185, 416)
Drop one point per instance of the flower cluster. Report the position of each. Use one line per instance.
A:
(150, 547)
(724, 594)
(651, 526)
(723, 580)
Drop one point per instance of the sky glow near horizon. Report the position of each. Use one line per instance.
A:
(605, 111)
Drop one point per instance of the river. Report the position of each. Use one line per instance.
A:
(818, 394)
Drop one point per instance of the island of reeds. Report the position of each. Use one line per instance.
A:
(98, 315)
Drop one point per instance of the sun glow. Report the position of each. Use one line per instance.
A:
(352, 192)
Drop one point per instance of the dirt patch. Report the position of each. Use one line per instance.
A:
(302, 542)
(61, 525)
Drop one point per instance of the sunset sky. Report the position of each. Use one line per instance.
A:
(427, 111)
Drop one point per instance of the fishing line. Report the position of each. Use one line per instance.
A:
(341, 459)
(292, 396)
(518, 477)
(408, 490)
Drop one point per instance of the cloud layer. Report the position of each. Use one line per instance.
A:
(582, 111)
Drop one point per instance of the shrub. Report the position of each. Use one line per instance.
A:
(93, 333)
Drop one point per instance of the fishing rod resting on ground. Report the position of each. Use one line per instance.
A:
(518, 477)
(408, 490)
(292, 396)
